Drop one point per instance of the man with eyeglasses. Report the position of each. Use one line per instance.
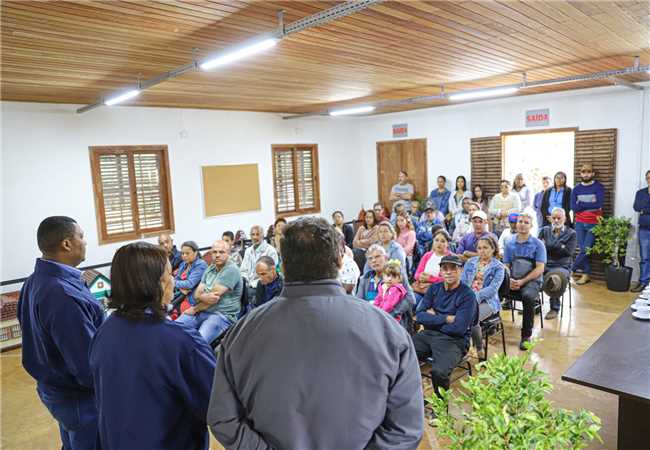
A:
(447, 311)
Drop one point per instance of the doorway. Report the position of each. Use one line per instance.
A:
(409, 156)
(539, 154)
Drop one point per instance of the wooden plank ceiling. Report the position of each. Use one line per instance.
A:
(77, 51)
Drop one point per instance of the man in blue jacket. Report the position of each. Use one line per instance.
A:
(59, 316)
(642, 206)
(447, 311)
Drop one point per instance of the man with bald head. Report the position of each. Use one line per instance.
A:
(167, 243)
(253, 253)
(218, 296)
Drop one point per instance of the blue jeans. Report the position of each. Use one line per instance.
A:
(211, 325)
(644, 254)
(77, 417)
(585, 240)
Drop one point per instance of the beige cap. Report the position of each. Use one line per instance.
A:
(480, 214)
(587, 167)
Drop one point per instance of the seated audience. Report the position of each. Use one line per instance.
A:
(642, 206)
(519, 187)
(456, 200)
(467, 246)
(525, 257)
(278, 226)
(405, 236)
(484, 274)
(391, 291)
(167, 243)
(218, 296)
(479, 197)
(462, 224)
(316, 369)
(270, 281)
(428, 271)
(367, 232)
(188, 276)
(537, 200)
(431, 218)
(349, 272)
(345, 229)
(235, 249)
(415, 211)
(252, 254)
(398, 209)
(402, 192)
(369, 282)
(560, 242)
(386, 238)
(503, 204)
(152, 376)
(440, 196)
(447, 311)
(380, 212)
(509, 232)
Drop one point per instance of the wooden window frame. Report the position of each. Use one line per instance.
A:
(166, 195)
(316, 178)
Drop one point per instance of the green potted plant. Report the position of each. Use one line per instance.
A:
(611, 243)
(504, 407)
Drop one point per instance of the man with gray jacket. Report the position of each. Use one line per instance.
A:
(316, 368)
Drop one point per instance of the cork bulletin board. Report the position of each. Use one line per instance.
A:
(230, 189)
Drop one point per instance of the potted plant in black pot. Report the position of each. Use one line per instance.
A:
(611, 243)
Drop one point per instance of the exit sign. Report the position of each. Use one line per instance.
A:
(537, 117)
(400, 130)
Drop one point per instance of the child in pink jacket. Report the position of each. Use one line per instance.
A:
(391, 291)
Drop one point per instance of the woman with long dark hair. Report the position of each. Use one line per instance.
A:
(152, 376)
(456, 198)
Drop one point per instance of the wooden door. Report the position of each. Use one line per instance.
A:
(394, 156)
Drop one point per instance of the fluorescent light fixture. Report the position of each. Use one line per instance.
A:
(358, 110)
(235, 55)
(122, 97)
(495, 92)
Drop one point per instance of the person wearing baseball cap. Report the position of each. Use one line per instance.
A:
(467, 246)
(508, 232)
(447, 311)
(587, 203)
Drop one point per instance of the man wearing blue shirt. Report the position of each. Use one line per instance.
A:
(525, 257)
(58, 317)
(642, 206)
(447, 311)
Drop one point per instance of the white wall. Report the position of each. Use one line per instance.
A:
(46, 168)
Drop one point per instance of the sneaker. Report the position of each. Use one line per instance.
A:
(584, 279)
(523, 342)
(552, 314)
(638, 287)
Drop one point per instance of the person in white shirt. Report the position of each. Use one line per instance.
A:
(525, 195)
(259, 248)
(508, 232)
(402, 192)
(501, 205)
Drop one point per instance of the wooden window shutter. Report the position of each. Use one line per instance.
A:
(132, 191)
(295, 179)
(487, 163)
(598, 147)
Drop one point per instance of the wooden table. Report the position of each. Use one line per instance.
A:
(619, 363)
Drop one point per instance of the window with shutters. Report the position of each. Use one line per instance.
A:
(132, 192)
(295, 179)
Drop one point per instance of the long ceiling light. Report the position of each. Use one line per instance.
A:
(347, 112)
(251, 47)
(482, 93)
(243, 52)
(122, 97)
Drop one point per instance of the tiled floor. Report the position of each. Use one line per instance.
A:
(26, 425)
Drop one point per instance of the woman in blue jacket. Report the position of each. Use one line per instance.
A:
(152, 376)
(484, 274)
(189, 273)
